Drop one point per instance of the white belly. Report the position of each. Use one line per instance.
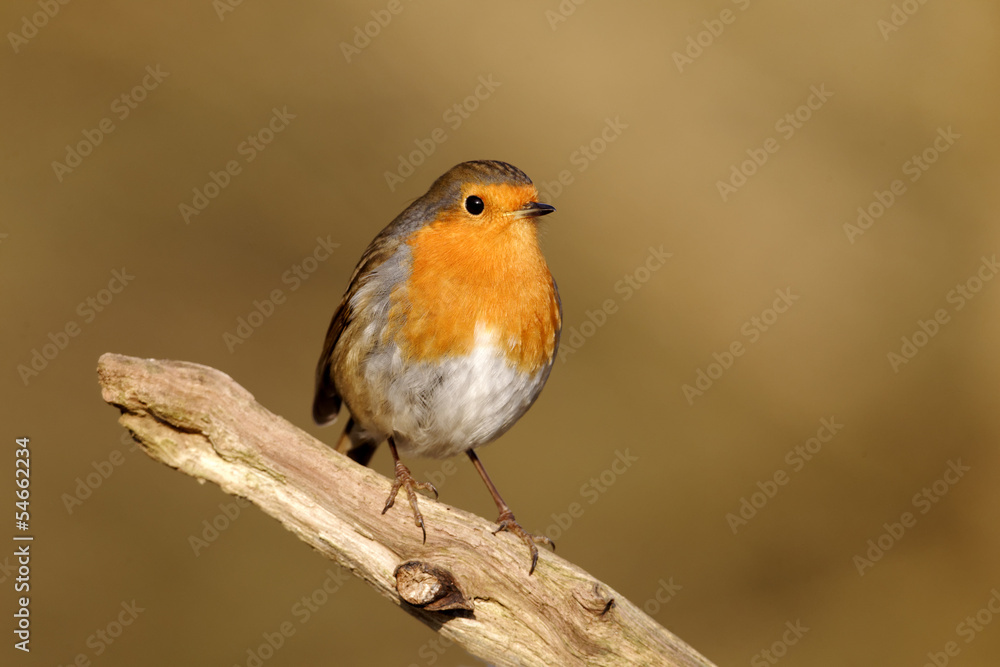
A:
(443, 409)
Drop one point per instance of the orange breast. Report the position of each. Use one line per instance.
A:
(464, 275)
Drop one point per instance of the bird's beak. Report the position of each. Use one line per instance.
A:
(533, 209)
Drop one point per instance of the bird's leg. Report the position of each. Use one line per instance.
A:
(506, 520)
(405, 479)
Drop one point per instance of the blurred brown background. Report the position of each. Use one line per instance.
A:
(600, 95)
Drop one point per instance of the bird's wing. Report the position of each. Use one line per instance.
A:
(326, 404)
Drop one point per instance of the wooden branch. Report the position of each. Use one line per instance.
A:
(471, 586)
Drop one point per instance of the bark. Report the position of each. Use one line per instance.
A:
(467, 584)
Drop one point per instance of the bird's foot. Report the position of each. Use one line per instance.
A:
(405, 480)
(507, 522)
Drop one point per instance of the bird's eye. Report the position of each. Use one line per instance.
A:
(474, 205)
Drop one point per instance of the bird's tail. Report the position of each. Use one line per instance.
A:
(356, 444)
(326, 404)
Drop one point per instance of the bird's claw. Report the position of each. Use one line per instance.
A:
(405, 480)
(507, 522)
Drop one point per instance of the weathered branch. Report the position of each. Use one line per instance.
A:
(472, 586)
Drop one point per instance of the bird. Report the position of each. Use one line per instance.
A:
(447, 332)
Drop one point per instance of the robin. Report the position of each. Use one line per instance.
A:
(447, 331)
